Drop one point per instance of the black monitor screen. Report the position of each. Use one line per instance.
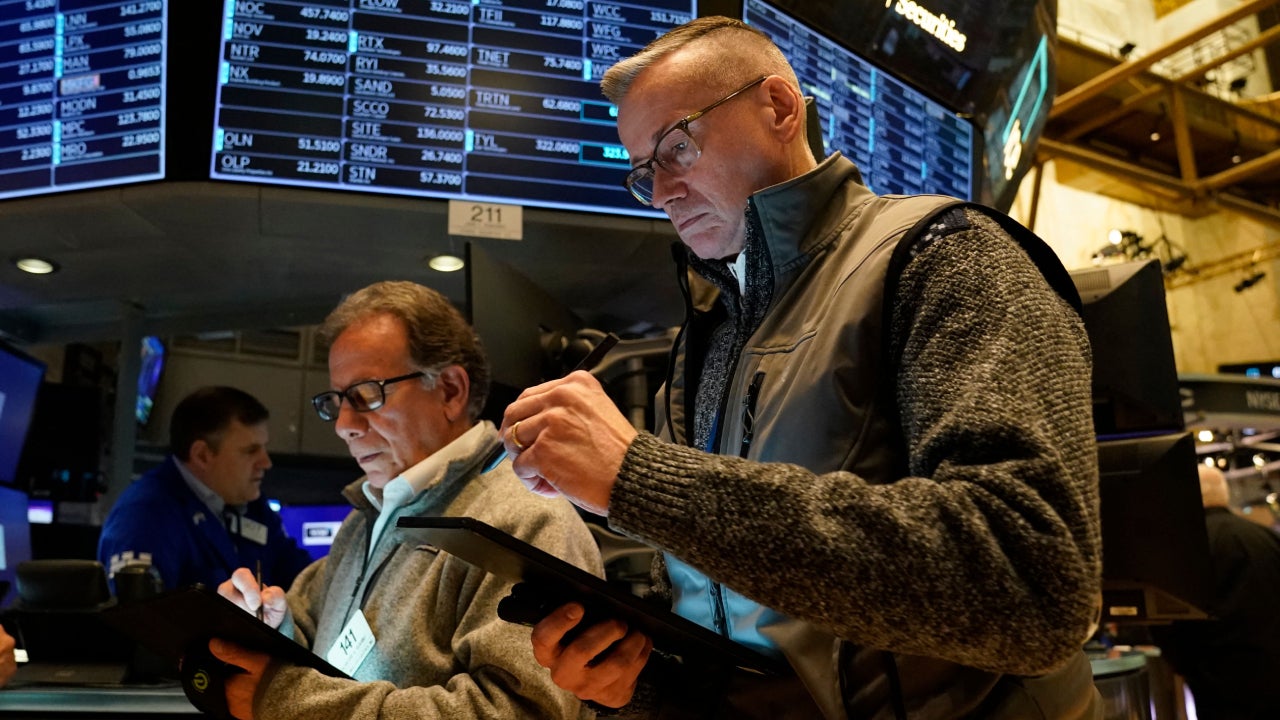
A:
(446, 98)
(520, 324)
(1155, 548)
(1135, 378)
(81, 94)
(20, 378)
(903, 142)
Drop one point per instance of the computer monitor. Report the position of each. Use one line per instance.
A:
(82, 94)
(313, 526)
(902, 140)
(20, 377)
(62, 460)
(527, 334)
(1155, 548)
(150, 370)
(1135, 378)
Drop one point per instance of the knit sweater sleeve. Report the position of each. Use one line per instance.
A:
(987, 553)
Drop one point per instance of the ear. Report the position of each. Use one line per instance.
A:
(200, 454)
(788, 109)
(455, 385)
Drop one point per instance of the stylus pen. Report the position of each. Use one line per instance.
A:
(261, 605)
(587, 363)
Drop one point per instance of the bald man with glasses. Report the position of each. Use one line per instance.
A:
(417, 630)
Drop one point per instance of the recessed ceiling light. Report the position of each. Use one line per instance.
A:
(35, 265)
(446, 263)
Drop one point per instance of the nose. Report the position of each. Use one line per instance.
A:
(265, 461)
(350, 424)
(667, 186)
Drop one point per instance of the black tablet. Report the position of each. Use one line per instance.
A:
(548, 582)
(173, 621)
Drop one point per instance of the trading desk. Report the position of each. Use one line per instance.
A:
(24, 700)
(49, 701)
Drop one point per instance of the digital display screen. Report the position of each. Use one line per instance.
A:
(81, 94)
(902, 141)
(496, 100)
(20, 378)
(313, 527)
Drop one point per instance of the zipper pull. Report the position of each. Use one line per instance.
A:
(749, 412)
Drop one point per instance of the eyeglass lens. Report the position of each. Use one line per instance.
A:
(676, 153)
(363, 396)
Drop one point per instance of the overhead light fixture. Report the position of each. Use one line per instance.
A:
(1250, 281)
(1236, 157)
(36, 265)
(446, 263)
(1121, 243)
(1205, 436)
(1155, 126)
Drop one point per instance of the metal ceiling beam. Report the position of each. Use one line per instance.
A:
(1222, 266)
(1073, 98)
(1172, 187)
(1182, 136)
(1107, 163)
(1241, 172)
(1130, 104)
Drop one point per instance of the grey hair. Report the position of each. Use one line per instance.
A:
(738, 53)
(438, 334)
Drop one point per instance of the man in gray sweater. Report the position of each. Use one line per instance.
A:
(417, 629)
(874, 456)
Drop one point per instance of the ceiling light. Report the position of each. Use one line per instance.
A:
(36, 265)
(446, 263)
(1205, 436)
(1155, 126)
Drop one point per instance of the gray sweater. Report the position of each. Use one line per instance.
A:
(441, 650)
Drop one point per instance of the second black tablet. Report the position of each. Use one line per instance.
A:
(516, 561)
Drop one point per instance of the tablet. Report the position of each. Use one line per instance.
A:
(550, 582)
(169, 623)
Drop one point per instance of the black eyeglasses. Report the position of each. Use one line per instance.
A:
(675, 150)
(363, 396)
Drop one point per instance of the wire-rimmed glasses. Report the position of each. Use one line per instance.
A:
(676, 151)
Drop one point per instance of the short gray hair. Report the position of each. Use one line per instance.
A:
(740, 52)
(438, 334)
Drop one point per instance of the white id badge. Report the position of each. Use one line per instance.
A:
(253, 531)
(352, 645)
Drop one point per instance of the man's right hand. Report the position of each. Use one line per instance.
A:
(8, 662)
(242, 589)
(588, 667)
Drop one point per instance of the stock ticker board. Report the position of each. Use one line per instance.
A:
(81, 94)
(485, 100)
(902, 141)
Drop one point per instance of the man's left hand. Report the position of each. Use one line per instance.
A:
(240, 687)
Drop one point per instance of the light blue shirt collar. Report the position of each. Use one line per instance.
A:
(211, 499)
(401, 489)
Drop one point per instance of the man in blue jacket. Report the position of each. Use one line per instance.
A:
(201, 514)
